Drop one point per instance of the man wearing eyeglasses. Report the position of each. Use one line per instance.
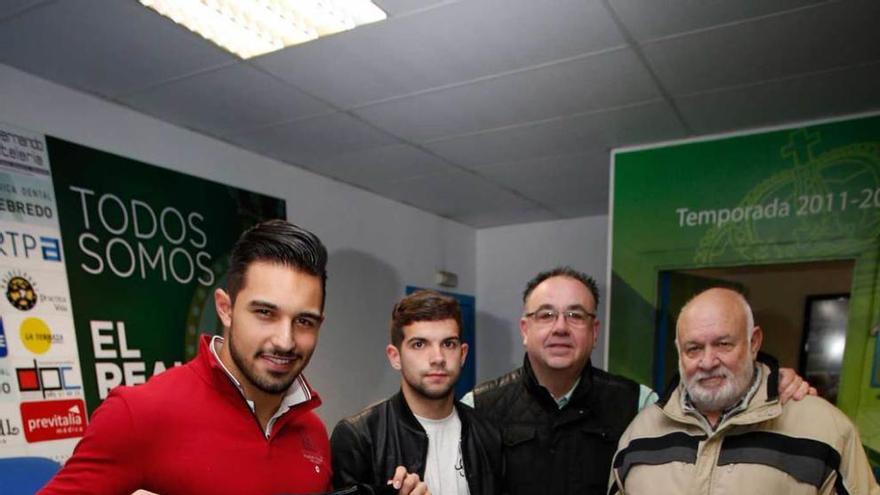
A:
(561, 417)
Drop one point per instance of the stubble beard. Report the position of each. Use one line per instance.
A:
(432, 394)
(262, 383)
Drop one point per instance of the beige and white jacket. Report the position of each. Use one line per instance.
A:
(803, 447)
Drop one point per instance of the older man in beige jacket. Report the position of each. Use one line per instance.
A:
(723, 430)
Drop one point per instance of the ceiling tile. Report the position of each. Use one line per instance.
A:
(556, 179)
(819, 95)
(562, 183)
(107, 47)
(397, 7)
(452, 43)
(482, 218)
(650, 19)
(306, 141)
(529, 95)
(575, 210)
(374, 167)
(648, 122)
(452, 193)
(13, 7)
(233, 98)
(605, 80)
(831, 35)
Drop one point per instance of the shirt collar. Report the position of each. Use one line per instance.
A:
(565, 399)
(297, 393)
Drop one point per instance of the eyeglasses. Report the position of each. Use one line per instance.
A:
(574, 317)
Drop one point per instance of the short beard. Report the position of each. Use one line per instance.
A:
(261, 383)
(432, 395)
(735, 387)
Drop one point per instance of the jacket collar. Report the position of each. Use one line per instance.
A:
(408, 419)
(543, 395)
(763, 405)
(401, 408)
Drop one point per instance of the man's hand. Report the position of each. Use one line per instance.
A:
(408, 483)
(792, 386)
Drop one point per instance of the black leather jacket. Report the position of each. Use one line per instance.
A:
(368, 447)
(553, 451)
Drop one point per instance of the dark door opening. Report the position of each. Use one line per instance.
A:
(823, 342)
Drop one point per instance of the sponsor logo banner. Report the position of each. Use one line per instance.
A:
(20, 243)
(27, 200)
(45, 380)
(20, 290)
(4, 345)
(23, 151)
(53, 420)
(11, 431)
(35, 291)
(7, 385)
(37, 337)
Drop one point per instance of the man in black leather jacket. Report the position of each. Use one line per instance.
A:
(421, 437)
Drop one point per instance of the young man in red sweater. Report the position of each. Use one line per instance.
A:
(238, 418)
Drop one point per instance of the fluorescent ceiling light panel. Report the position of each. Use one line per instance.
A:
(249, 28)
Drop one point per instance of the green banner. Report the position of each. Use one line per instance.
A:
(144, 249)
(786, 196)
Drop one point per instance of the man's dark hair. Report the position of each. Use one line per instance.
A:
(563, 271)
(422, 305)
(277, 241)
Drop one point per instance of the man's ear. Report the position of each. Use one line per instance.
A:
(393, 354)
(595, 328)
(523, 329)
(223, 305)
(464, 353)
(757, 340)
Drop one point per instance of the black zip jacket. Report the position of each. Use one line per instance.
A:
(555, 451)
(367, 447)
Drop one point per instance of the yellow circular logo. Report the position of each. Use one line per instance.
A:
(35, 335)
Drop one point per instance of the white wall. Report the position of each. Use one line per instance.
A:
(507, 257)
(377, 246)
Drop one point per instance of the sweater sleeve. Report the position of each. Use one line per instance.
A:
(104, 461)
(351, 460)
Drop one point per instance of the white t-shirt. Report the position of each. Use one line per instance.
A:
(444, 468)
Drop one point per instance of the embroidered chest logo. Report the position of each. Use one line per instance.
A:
(311, 453)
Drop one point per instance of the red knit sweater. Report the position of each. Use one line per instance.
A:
(189, 431)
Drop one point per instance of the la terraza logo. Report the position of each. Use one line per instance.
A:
(21, 290)
(53, 420)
